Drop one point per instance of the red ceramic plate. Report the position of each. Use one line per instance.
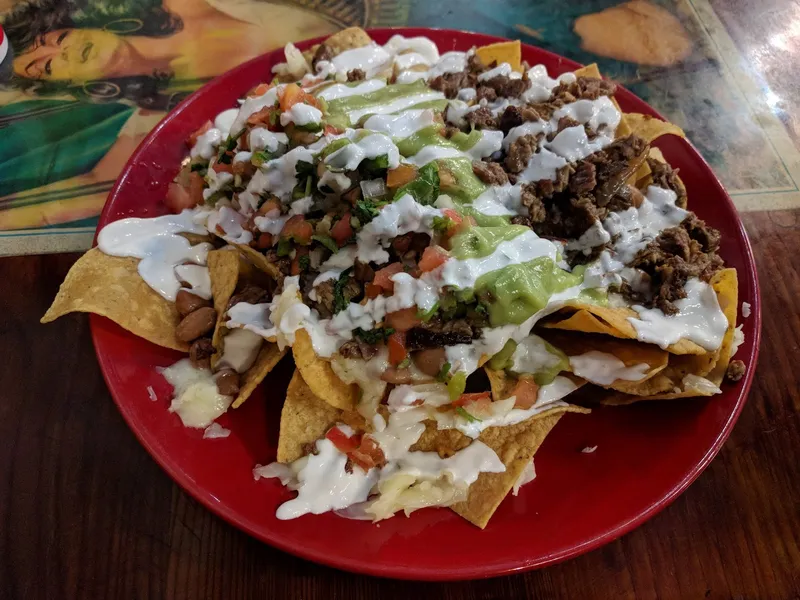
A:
(646, 454)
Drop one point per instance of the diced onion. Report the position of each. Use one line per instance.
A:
(373, 188)
(277, 470)
(356, 512)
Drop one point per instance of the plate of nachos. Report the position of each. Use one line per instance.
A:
(379, 296)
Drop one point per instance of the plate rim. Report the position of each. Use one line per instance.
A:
(471, 572)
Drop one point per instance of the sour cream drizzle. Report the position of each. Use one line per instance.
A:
(157, 244)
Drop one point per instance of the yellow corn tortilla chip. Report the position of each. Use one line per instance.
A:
(223, 269)
(515, 445)
(110, 286)
(305, 418)
(226, 268)
(346, 39)
(268, 356)
(628, 351)
(711, 366)
(623, 129)
(592, 318)
(501, 52)
(259, 260)
(319, 375)
(644, 179)
(650, 128)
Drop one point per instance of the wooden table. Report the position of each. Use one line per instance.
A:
(86, 513)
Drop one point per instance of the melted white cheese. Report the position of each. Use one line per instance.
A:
(604, 369)
(195, 398)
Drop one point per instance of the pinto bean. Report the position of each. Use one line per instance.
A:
(196, 324)
(186, 302)
(200, 353)
(227, 382)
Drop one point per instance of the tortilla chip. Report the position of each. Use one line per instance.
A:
(227, 268)
(650, 128)
(589, 71)
(623, 129)
(259, 260)
(319, 375)
(628, 351)
(223, 269)
(347, 39)
(267, 358)
(501, 52)
(110, 286)
(692, 376)
(515, 445)
(305, 418)
(592, 318)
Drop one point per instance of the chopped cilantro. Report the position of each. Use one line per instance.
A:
(443, 372)
(426, 315)
(303, 168)
(339, 301)
(284, 247)
(373, 336)
(372, 168)
(404, 364)
(260, 157)
(326, 241)
(274, 117)
(365, 211)
(304, 262)
(200, 167)
(425, 188)
(471, 418)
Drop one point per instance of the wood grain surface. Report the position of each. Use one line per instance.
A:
(86, 513)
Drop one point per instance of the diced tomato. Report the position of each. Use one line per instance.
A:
(343, 442)
(526, 392)
(465, 399)
(403, 320)
(299, 253)
(196, 185)
(383, 277)
(433, 257)
(222, 168)
(298, 229)
(269, 205)
(293, 94)
(192, 139)
(179, 197)
(372, 290)
(460, 223)
(402, 175)
(397, 348)
(264, 241)
(368, 454)
(331, 130)
(259, 90)
(342, 230)
(263, 118)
